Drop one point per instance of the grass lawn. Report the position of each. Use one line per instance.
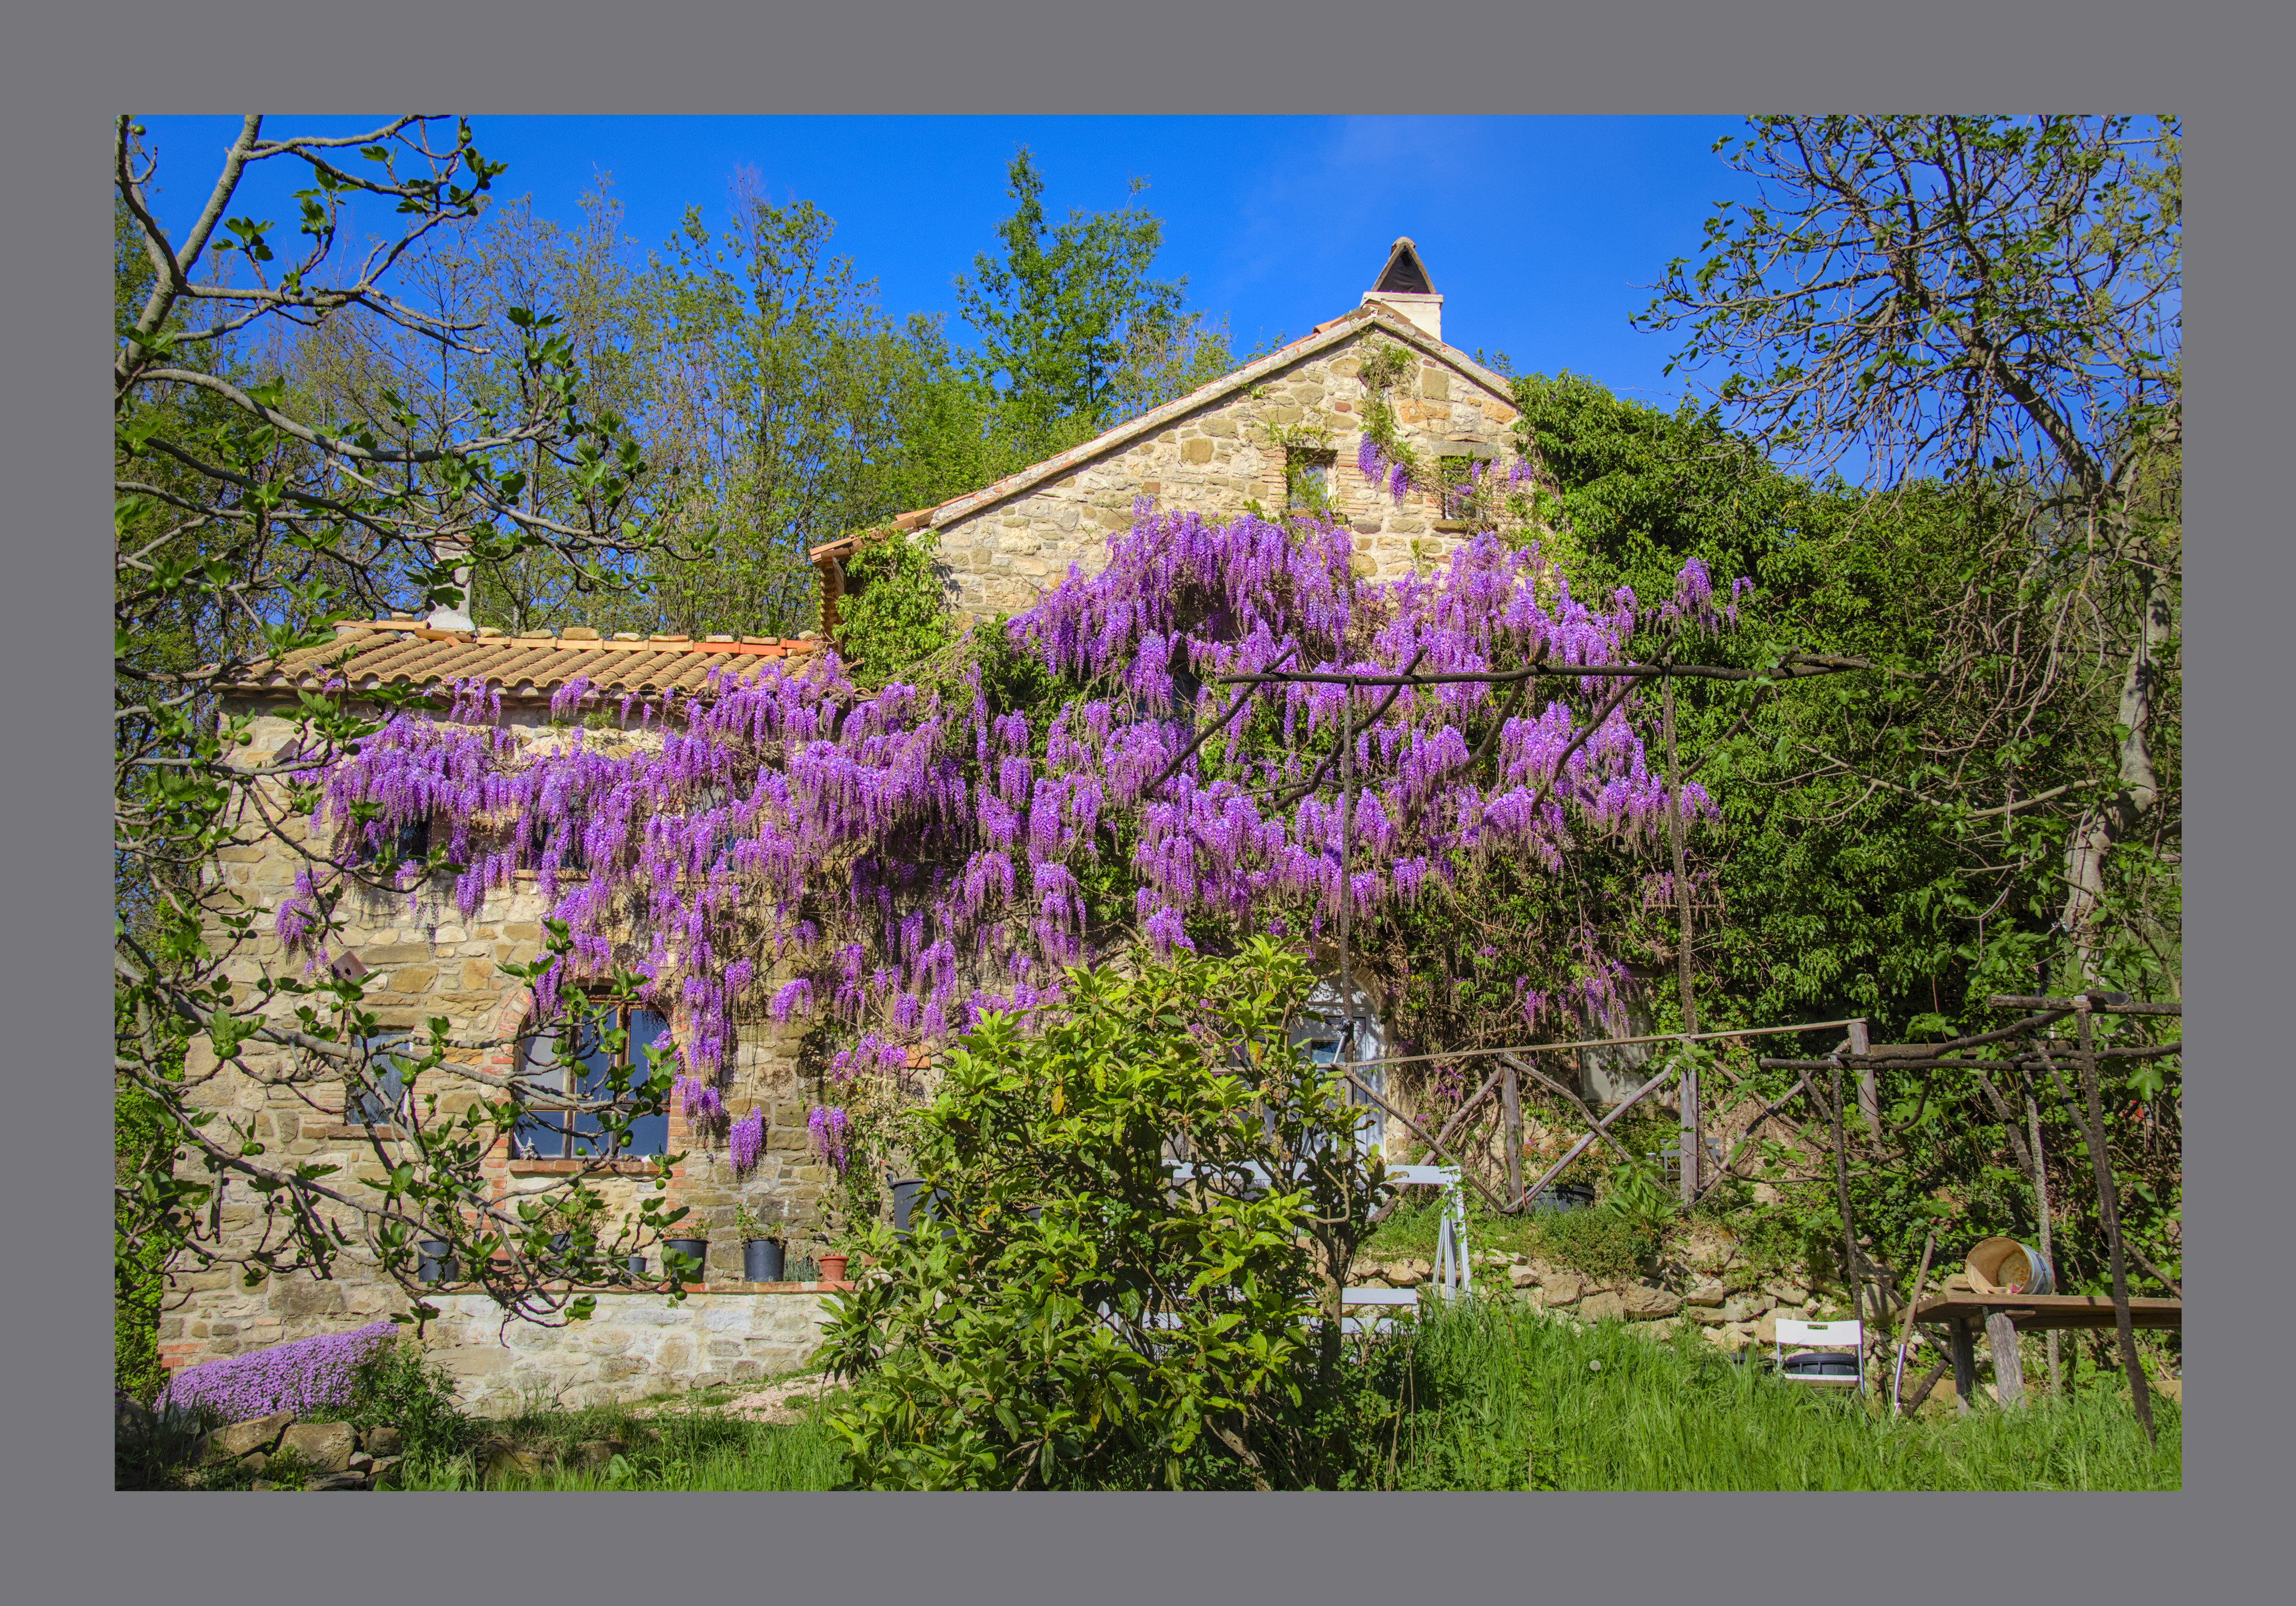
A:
(1513, 1399)
(1502, 1398)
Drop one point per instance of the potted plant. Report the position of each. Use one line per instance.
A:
(762, 1255)
(694, 1249)
(833, 1268)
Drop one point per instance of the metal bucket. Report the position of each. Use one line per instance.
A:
(911, 1200)
(1563, 1196)
(2003, 1266)
(905, 1200)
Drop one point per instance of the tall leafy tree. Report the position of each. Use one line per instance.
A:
(1996, 302)
(786, 408)
(1073, 332)
(250, 514)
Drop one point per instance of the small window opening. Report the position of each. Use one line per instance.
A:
(377, 1097)
(579, 1063)
(538, 832)
(1457, 477)
(408, 839)
(1307, 480)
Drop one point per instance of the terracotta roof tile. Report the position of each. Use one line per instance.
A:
(395, 652)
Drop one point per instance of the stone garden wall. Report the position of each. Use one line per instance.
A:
(635, 1346)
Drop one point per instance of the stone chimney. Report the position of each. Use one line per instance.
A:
(455, 615)
(1403, 285)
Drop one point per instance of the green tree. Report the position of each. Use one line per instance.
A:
(248, 517)
(786, 409)
(1072, 331)
(1994, 302)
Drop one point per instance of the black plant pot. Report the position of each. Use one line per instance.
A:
(761, 1260)
(637, 1266)
(696, 1249)
(435, 1265)
(1565, 1196)
(910, 1198)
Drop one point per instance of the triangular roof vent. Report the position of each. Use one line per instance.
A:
(1404, 272)
(1405, 288)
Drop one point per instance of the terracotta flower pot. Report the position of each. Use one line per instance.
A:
(833, 1268)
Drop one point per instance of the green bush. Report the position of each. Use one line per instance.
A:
(1082, 1319)
(1605, 1243)
(399, 1385)
(898, 612)
(138, 1271)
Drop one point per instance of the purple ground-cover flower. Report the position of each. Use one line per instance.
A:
(306, 1375)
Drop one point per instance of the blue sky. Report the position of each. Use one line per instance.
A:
(1539, 231)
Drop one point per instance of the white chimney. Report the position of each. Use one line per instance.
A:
(455, 615)
(1403, 284)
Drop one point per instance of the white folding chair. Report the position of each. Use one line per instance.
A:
(1454, 1274)
(1827, 1336)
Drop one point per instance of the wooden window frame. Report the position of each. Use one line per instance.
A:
(563, 1125)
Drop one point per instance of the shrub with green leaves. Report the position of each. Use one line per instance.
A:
(1607, 1243)
(897, 612)
(1139, 1211)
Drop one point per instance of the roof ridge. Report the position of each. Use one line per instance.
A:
(1328, 333)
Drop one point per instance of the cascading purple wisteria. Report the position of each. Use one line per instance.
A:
(901, 860)
(827, 1127)
(746, 1142)
(702, 1104)
(1378, 468)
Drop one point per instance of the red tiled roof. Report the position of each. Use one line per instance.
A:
(370, 653)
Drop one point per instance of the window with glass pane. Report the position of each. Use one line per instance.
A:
(408, 839)
(579, 1063)
(378, 1097)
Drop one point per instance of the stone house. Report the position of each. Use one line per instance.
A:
(1274, 434)
(420, 958)
(1280, 432)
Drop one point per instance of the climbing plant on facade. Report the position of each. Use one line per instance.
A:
(895, 863)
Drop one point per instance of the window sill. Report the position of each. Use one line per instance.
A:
(1450, 526)
(574, 1168)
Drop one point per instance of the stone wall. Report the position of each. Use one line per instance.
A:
(635, 1346)
(1002, 555)
(424, 959)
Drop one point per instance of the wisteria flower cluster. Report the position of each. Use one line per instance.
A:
(703, 1104)
(903, 860)
(306, 1375)
(827, 1127)
(747, 1140)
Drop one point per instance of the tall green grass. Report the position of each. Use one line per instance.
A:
(1505, 1399)
(1500, 1398)
(675, 1450)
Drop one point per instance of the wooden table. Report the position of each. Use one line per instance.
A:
(2002, 1314)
